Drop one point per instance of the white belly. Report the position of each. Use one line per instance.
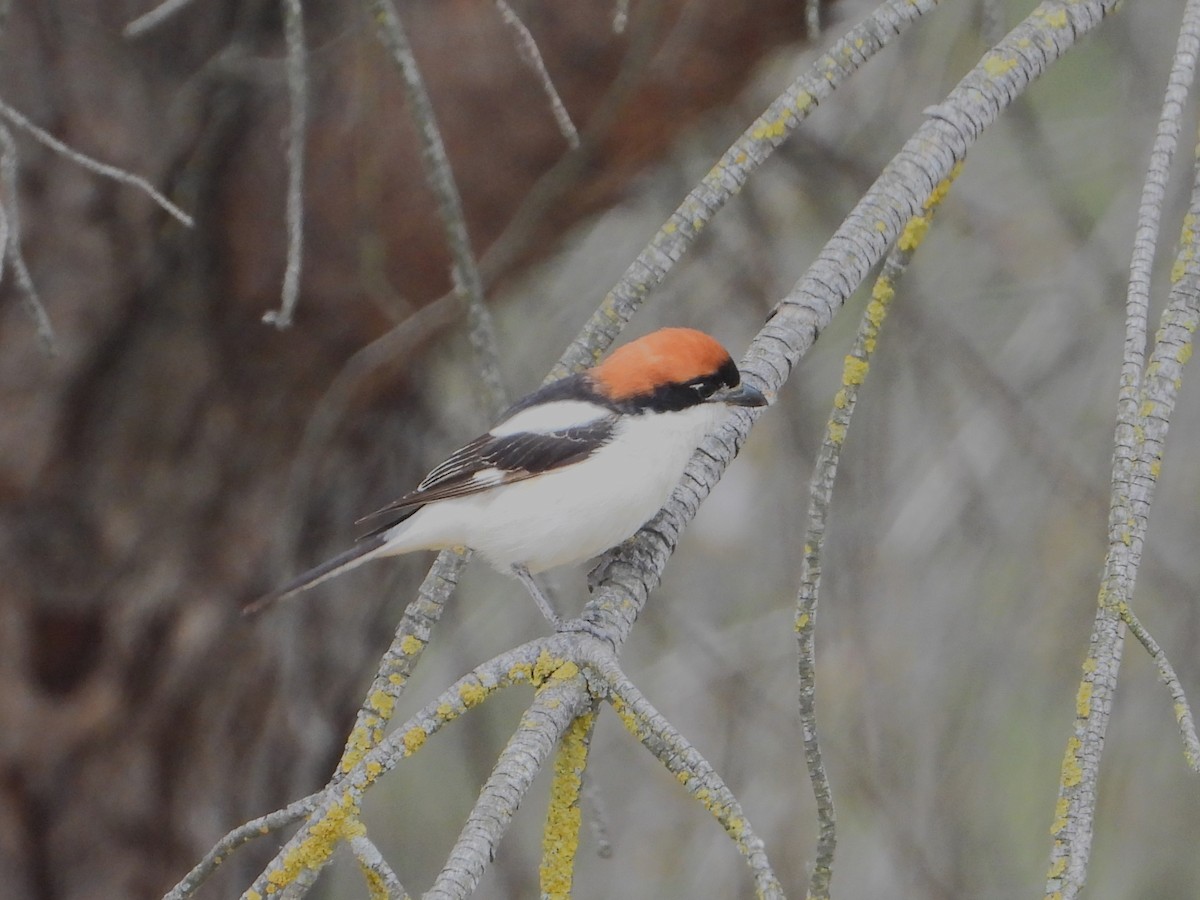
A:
(569, 514)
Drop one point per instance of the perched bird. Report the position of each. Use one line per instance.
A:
(569, 471)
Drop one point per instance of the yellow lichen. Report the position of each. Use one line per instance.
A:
(1083, 700)
(854, 371)
(414, 739)
(1057, 867)
(550, 666)
(628, 718)
(383, 703)
(1056, 18)
(1060, 815)
(881, 296)
(472, 693)
(357, 746)
(1072, 772)
(802, 621)
(560, 840)
(410, 644)
(914, 232)
(339, 822)
(770, 130)
(995, 64)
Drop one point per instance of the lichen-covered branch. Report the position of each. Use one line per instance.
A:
(854, 372)
(683, 761)
(560, 835)
(562, 697)
(1145, 402)
(382, 881)
(1166, 673)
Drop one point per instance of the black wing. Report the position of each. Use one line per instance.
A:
(490, 461)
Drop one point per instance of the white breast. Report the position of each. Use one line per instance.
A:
(573, 513)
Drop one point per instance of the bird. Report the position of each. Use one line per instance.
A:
(568, 472)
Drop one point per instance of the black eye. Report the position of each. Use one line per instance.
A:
(704, 387)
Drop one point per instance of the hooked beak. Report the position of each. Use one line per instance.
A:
(742, 395)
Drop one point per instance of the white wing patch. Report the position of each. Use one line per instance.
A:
(488, 477)
(558, 415)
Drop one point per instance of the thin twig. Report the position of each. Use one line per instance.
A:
(297, 79)
(155, 17)
(856, 367)
(243, 834)
(463, 269)
(11, 248)
(382, 880)
(620, 16)
(812, 19)
(528, 49)
(597, 818)
(93, 165)
(1166, 672)
(686, 763)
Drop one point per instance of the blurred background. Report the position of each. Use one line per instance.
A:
(176, 457)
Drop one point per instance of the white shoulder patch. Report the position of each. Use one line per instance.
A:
(555, 416)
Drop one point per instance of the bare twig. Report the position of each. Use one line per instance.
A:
(683, 761)
(243, 834)
(1166, 673)
(812, 19)
(155, 17)
(297, 79)
(464, 271)
(528, 49)
(93, 165)
(620, 16)
(381, 879)
(11, 248)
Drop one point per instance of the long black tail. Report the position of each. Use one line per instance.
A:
(343, 562)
